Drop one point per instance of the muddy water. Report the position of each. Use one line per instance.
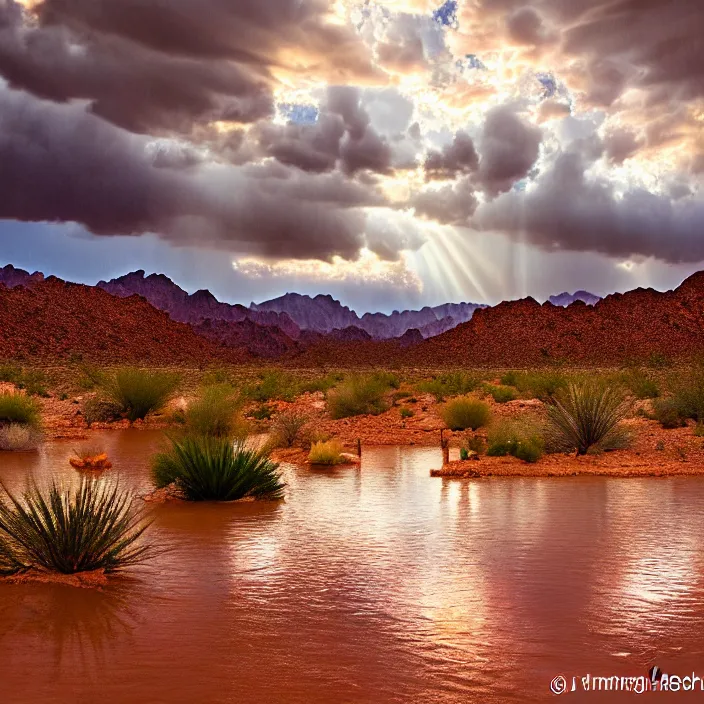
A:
(371, 584)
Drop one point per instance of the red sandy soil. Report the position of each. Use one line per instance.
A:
(53, 320)
(96, 578)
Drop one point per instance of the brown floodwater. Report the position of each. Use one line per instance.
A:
(371, 584)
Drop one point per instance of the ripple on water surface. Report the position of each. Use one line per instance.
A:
(369, 584)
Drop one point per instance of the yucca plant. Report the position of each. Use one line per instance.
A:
(586, 415)
(138, 392)
(92, 526)
(207, 468)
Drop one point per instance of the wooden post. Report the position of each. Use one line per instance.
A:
(359, 447)
(445, 445)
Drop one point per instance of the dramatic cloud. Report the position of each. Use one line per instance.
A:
(570, 210)
(313, 130)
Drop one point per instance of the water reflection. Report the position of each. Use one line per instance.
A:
(374, 584)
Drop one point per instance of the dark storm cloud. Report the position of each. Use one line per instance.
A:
(452, 204)
(569, 210)
(459, 157)
(152, 66)
(342, 136)
(509, 147)
(63, 164)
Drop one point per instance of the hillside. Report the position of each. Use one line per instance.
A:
(54, 320)
(616, 329)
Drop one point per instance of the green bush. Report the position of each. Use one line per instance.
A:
(321, 383)
(387, 379)
(501, 394)
(10, 372)
(359, 395)
(139, 392)
(87, 528)
(18, 408)
(91, 377)
(33, 382)
(465, 412)
(274, 385)
(287, 428)
(521, 439)
(214, 412)
(536, 384)
(474, 443)
(585, 415)
(639, 383)
(406, 413)
(669, 413)
(208, 468)
(448, 385)
(326, 453)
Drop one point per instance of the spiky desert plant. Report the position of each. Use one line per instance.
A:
(215, 412)
(138, 392)
(465, 412)
(18, 408)
(327, 453)
(587, 414)
(89, 527)
(207, 468)
(9, 563)
(19, 438)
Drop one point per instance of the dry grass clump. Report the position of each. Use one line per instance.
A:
(273, 385)
(465, 412)
(587, 415)
(448, 385)
(91, 527)
(536, 384)
(519, 438)
(501, 394)
(359, 395)
(138, 392)
(215, 412)
(19, 438)
(18, 408)
(326, 453)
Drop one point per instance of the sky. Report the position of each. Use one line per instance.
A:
(395, 154)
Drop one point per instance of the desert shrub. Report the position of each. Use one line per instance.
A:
(214, 412)
(501, 394)
(208, 468)
(274, 385)
(90, 527)
(262, 412)
(327, 453)
(688, 394)
(287, 428)
(448, 385)
(474, 443)
(18, 438)
(18, 408)
(640, 384)
(399, 396)
(100, 410)
(406, 413)
(90, 377)
(668, 412)
(587, 414)
(536, 384)
(321, 383)
(387, 379)
(216, 377)
(465, 412)
(658, 360)
(10, 372)
(33, 381)
(139, 392)
(521, 439)
(359, 395)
